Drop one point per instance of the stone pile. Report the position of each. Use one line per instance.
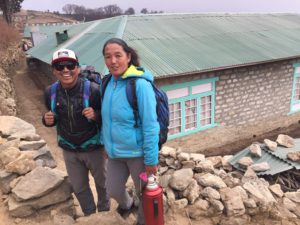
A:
(208, 188)
(28, 176)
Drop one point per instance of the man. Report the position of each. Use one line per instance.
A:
(78, 121)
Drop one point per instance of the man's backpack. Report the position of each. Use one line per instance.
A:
(90, 75)
(86, 94)
(162, 106)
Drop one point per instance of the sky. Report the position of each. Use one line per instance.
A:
(174, 6)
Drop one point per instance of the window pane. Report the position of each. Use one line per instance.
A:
(190, 114)
(178, 93)
(205, 116)
(297, 88)
(175, 118)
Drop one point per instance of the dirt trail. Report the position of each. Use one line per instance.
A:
(30, 101)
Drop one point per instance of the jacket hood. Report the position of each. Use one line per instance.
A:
(134, 71)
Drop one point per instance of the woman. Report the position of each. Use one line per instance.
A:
(131, 149)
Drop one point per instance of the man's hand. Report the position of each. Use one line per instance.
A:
(89, 113)
(49, 118)
(151, 169)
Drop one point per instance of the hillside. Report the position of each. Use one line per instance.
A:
(32, 17)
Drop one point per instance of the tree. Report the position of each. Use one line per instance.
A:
(69, 8)
(8, 7)
(112, 10)
(144, 11)
(129, 11)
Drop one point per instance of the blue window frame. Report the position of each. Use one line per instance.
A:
(191, 106)
(295, 99)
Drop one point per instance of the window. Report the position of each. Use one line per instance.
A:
(295, 100)
(191, 107)
(175, 118)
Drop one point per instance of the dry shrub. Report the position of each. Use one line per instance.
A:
(8, 36)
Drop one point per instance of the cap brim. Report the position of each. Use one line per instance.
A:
(61, 59)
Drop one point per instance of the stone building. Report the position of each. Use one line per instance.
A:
(229, 77)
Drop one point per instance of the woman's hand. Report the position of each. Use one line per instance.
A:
(151, 169)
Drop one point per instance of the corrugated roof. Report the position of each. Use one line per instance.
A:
(172, 44)
(277, 160)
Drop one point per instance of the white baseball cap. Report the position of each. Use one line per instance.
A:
(64, 55)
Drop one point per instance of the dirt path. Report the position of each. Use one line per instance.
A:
(30, 101)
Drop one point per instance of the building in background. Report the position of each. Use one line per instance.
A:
(229, 77)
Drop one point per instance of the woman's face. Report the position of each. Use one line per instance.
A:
(116, 59)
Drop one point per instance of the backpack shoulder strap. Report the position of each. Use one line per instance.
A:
(53, 96)
(132, 98)
(105, 81)
(86, 92)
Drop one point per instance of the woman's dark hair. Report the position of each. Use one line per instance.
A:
(134, 56)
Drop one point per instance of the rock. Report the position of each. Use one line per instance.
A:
(225, 164)
(294, 196)
(272, 145)
(45, 156)
(8, 155)
(198, 209)
(164, 180)
(197, 157)
(26, 208)
(232, 201)
(37, 183)
(259, 167)
(285, 140)
(11, 143)
(244, 162)
(210, 180)
(216, 161)
(22, 165)
(170, 196)
(11, 125)
(259, 191)
(188, 164)
(181, 179)
(31, 145)
(5, 179)
(168, 151)
(204, 167)
(276, 189)
(255, 150)
(210, 193)
(294, 156)
(183, 156)
(192, 191)
(180, 204)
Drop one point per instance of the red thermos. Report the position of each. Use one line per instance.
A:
(153, 203)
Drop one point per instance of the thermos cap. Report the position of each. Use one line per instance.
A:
(151, 185)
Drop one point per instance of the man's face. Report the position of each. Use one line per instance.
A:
(66, 72)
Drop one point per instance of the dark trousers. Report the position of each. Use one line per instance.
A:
(78, 165)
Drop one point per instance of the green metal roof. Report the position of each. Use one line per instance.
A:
(172, 44)
(277, 160)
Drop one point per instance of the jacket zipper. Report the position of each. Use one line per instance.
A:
(69, 110)
(110, 124)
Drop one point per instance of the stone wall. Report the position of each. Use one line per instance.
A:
(254, 94)
(208, 189)
(29, 180)
(7, 92)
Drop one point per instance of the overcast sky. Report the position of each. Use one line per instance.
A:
(172, 6)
